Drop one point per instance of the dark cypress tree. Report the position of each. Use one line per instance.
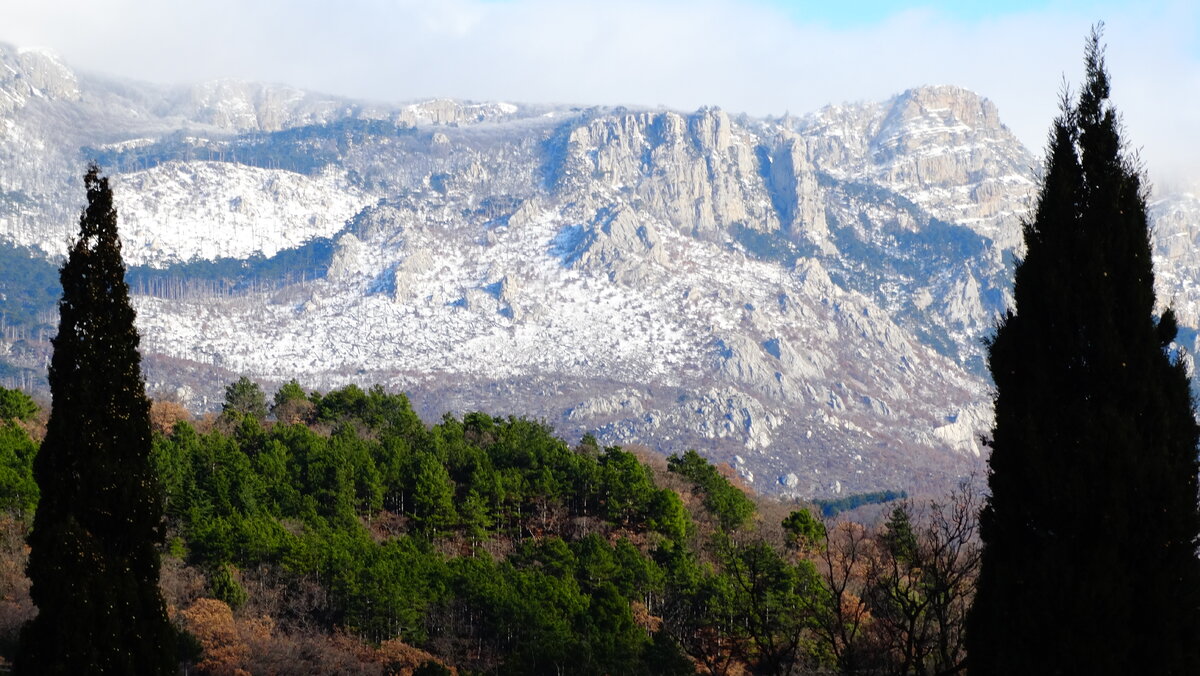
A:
(1090, 532)
(93, 559)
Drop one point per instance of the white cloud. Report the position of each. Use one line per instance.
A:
(748, 57)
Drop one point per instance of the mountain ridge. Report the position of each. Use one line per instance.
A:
(803, 297)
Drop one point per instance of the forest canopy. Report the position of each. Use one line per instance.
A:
(338, 531)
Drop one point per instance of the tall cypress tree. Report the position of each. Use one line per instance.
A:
(93, 559)
(1090, 532)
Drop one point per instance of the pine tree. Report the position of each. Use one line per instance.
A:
(244, 398)
(93, 559)
(1090, 532)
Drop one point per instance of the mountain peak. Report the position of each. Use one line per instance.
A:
(941, 110)
(33, 73)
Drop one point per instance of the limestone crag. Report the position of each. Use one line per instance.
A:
(795, 191)
(944, 148)
(618, 244)
(961, 429)
(407, 272)
(696, 172)
(347, 258)
(751, 364)
(243, 106)
(626, 403)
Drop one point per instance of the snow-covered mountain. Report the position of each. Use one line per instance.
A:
(803, 297)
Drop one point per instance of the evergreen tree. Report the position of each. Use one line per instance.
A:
(16, 405)
(803, 531)
(291, 404)
(1090, 532)
(94, 561)
(244, 398)
(289, 391)
(900, 540)
(433, 495)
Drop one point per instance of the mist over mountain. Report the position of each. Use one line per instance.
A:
(804, 297)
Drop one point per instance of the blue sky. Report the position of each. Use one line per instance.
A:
(763, 57)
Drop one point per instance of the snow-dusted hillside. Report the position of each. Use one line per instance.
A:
(804, 298)
(179, 211)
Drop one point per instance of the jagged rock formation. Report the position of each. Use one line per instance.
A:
(802, 297)
(944, 148)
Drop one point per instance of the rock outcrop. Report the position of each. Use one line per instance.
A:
(692, 171)
(616, 243)
(943, 148)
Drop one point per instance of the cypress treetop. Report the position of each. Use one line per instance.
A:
(94, 561)
(1089, 562)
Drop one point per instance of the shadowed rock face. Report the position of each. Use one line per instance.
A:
(805, 294)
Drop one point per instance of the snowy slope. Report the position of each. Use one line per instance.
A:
(179, 211)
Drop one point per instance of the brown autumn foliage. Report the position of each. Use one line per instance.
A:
(644, 618)
(164, 415)
(16, 607)
(224, 652)
(181, 584)
(402, 659)
(235, 645)
(295, 411)
(35, 427)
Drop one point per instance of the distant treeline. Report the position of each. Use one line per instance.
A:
(830, 508)
(29, 287)
(306, 149)
(29, 290)
(234, 275)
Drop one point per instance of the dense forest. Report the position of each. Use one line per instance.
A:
(338, 533)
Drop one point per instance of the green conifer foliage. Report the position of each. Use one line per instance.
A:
(16, 405)
(244, 397)
(93, 561)
(1090, 532)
